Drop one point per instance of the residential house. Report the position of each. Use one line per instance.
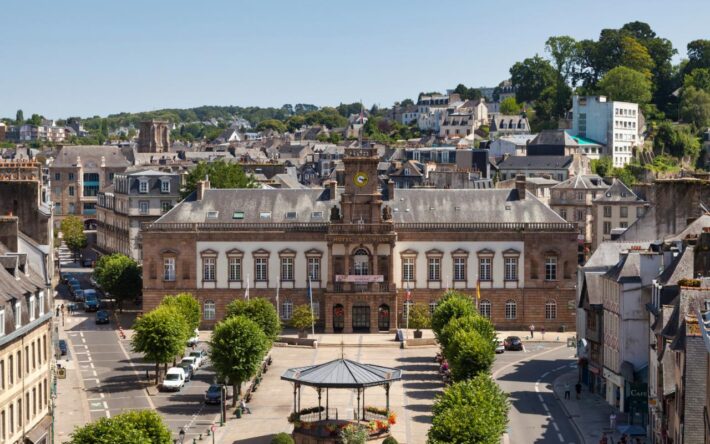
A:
(555, 167)
(513, 145)
(409, 174)
(134, 198)
(617, 207)
(78, 173)
(552, 143)
(504, 125)
(540, 187)
(616, 125)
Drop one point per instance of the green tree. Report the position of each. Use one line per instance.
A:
(698, 55)
(104, 128)
(72, 228)
(627, 85)
(699, 78)
(160, 335)
(19, 117)
(271, 124)
(563, 51)
(451, 306)
(353, 434)
(221, 174)
(473, 411)
(419, 317)
(467, 93)
(530, 77)
(134, 427)
(188, 307)
(120, 276)
(470, 322)
(695, 107)
(302, 318)
(35, 120)
(260, 311)
(469, 353)
(677, 141)
(509, 106)
(635, 56)
(237, 348)
(602, 166)
(282, 438)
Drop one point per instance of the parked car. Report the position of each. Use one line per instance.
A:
(500, 348)
(102, 317)
(91, 300)
(194, 339)
(63, 347)
(213, 395)
(79, 295)
(66, 276)
(513, 343)
(200, 357)
(74, 287)
(174, 379)
(188, 370)
(191, 361)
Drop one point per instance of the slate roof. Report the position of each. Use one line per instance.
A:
(342, 373)
(692, 230)
(680, 268)
(536, 163)
(628, 269)
(90, 156)
(410, 205)
(618, 193)
(554, 137)
(583, 182)
(608, 253)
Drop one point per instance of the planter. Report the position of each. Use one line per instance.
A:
(302, 335)
(418, 334)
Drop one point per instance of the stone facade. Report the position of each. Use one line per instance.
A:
(154, 137)
(361, 263)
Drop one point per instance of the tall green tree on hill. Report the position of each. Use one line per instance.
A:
(626, 85)
(221, 174)
(19, 117)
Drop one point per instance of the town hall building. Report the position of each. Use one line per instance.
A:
(365, 251)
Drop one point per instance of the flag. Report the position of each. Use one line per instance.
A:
(478, 291)
(246, 293)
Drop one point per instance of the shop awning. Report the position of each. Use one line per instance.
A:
(39, 433)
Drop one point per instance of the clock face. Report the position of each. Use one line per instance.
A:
(360, 179)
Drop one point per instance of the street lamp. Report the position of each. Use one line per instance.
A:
(181, 434)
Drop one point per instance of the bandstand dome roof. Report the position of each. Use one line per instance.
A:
(342, 373)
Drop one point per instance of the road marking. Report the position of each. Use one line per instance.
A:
(537, 387)
(540, 398)
(108, 414)
(510, 364)
(81, 333)
(560, 437)
(544, 375)
(138, 376)
(554, 424)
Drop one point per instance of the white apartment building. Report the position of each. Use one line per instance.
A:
(431, 110)
(617, 125)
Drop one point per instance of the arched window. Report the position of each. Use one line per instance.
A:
(361, 262)
(511, 309)
(550, 310)
(209, 310)
(484, 307)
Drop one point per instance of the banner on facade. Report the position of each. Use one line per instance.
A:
(360, 279)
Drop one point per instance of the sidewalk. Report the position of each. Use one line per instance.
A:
(71, 404)
(590, 414)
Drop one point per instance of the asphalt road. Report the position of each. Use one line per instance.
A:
(114, 377)
(535, 415)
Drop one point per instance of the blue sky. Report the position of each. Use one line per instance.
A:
(88, 57)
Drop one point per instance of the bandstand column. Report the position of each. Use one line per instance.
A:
(387, 397)
(320, 416)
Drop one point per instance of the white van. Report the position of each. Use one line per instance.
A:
(174, 379)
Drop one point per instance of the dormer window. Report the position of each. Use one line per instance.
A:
(238, 215)
(265, 215)
(212, 214)
(317, 215)
(164, 186)
(143, 186)
(291, 215)
(18, 314)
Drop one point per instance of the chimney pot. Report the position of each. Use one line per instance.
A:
(520, 186)
(333, 187)
(390, 189)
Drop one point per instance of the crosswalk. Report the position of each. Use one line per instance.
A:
(66, 258)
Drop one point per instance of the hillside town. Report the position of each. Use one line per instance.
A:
(527, 261)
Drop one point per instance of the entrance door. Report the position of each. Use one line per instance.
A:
(338, 318)
(383, 318)
(361, 318)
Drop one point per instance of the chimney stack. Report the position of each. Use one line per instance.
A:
(520, 186)
(333, 187)
(390, 189)
(202, 185)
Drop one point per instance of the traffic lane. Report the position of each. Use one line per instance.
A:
(186, 409)
(536, 413)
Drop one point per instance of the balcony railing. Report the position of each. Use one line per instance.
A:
(360, 228)
(353, 287)
(237, 226)
(486, 226)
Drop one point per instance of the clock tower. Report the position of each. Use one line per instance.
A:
(361, 202)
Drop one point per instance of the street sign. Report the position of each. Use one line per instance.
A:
(213, 427)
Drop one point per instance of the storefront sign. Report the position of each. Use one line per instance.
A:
(360, 279)
(613, 377)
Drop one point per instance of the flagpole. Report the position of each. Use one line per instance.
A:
(278, 307)
(313, 317)
(246, 293)
(407, 303)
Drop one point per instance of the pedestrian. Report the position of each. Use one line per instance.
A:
(542, 332)
(57, 310)
(612, 422)
(532, 331)
(567, 391)
(244, 407)
(578, 389)
(147, 375)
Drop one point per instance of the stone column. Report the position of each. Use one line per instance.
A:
(390, 266)
(348, 315)
(331, 267)
(328, 315)
(374, 314)
(375, 269)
